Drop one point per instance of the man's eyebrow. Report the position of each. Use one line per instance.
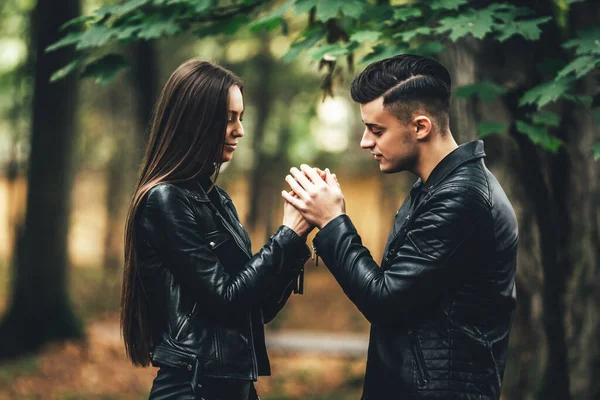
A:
(372, 125)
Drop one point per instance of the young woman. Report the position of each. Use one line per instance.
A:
(194, 299)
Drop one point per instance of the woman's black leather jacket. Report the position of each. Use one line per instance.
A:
(209, 296)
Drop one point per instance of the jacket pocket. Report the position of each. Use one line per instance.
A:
(171, 357)
(216, 239)
(420, 366)
(186, 324)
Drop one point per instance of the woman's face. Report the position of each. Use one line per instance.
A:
(235, 130)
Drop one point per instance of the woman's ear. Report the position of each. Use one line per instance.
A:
(422, 126)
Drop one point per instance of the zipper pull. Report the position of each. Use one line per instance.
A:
(315, 256)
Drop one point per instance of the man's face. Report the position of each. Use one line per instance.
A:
(392, 142)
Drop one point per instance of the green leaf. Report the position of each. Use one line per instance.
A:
(546, 118)
(305, 40)
(581, 100)
(487, 128)
(273, 19)
(407, 36)
(104, 69)
(353, 8)
(304, 6)
(332, 50)
(227, 27)
(107, 10)
(382, 51)
(446, 4)
(378, 14)
(327, 9)
(198, 6)
(131, 5)
(580, 66)
(406, 13)
(365, 36)
(474, 22)
(596, 150)
(127, 33)
(95, 36)
(587, 42)
(77, 21)
(163, 26)
(67, 69)
(529, 29)
(487, 91)
(71, 38)
(540, 136)
(429, 48)
(545, 93)
(268, 24)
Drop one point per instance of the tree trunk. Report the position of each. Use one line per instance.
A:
(130, 143)
(40, 310)
(583, 200)
(261, 175)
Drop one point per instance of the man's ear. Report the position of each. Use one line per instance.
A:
(422, 124)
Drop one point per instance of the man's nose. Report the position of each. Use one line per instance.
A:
(367, 142)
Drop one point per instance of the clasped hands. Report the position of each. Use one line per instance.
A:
(315, 194)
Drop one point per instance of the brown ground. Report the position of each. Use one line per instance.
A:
(97, 369)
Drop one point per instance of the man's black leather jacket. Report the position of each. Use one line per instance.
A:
(442, 303)
(209, 296)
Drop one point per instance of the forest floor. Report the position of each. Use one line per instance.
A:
(317, 347)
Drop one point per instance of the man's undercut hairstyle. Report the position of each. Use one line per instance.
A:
(408, 83)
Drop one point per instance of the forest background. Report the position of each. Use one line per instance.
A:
(78, 80)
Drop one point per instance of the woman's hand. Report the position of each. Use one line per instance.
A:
(294, 220)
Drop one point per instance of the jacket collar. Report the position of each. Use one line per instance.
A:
(199, 193)
(462, 154)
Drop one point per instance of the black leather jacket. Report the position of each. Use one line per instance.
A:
(209, 296)
(442, 304)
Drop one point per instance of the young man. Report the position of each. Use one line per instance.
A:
(442, 303)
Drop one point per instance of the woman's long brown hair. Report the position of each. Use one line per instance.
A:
(187, 137)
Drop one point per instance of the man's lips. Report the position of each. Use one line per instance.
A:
(377, 156)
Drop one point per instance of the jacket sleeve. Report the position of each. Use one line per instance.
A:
(280, 287)
(170, 222)
(418, 271)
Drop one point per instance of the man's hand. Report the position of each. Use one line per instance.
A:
(318, 200)
(294, 220)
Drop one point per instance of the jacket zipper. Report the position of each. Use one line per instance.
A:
(254, 363)
(236, 237)
(186, 321)
(218, 344)
(414, 212)
(423, 376)
(315, 255)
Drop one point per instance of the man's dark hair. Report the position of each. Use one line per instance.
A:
(407, 83)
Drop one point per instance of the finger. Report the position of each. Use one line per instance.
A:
(330, 179)
(299, 190)
(301, 178)
(295, 202)
(311, 173)
(321, 173)
(336, 181)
